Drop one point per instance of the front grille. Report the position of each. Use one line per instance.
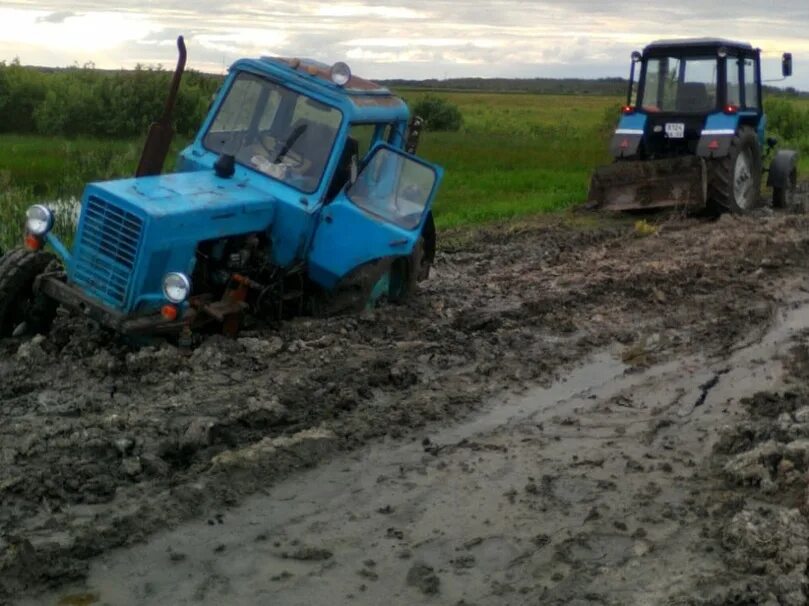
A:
(106, 250)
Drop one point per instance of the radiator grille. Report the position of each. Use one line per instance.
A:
(107, 250)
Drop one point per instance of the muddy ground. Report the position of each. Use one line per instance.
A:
(561, 416)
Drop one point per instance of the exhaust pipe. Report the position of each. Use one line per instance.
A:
(158, 141)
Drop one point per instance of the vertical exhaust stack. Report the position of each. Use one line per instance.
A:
(158, 141)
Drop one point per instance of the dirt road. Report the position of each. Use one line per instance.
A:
(559, 417)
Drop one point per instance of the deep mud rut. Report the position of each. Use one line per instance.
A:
(601, 448)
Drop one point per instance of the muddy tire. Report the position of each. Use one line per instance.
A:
(19, 305)
(734, 182)
(353, 292)
(784, 197)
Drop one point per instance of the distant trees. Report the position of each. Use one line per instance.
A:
(92, 102)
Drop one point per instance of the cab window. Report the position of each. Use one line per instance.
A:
(733, 81)
(394, 187)
(751, 100)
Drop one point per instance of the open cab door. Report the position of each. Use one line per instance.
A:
(378, 216)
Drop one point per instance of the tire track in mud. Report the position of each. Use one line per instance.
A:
(607, 487)
(102, 445)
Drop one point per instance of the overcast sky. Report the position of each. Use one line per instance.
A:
(385, 39)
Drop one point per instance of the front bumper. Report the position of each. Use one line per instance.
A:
(72, 297)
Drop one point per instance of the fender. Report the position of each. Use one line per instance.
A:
(781, 167)
(626, 140)
(717, 135)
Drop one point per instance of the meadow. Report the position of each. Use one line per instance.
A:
(516, 154)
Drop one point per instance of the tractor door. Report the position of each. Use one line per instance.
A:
(380, 215)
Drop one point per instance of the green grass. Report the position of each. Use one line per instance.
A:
(517, 154)
(53, 166)
(36, 168)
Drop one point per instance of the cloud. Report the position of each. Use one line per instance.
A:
(57, 17)
(383, 38)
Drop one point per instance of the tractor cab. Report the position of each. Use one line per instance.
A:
(692, 131)
(690, 86)
(300, 193)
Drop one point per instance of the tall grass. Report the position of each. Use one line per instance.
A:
(54, 171)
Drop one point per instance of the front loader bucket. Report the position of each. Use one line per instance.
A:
(642, 184)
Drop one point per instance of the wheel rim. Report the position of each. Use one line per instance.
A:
(743, 180)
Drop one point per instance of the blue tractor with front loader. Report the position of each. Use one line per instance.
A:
(300, 193)
(692, 134)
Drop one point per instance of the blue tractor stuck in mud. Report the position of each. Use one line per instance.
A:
(693, 132)
(300, 194)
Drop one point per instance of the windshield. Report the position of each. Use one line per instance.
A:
(680, 84)
(276, 131)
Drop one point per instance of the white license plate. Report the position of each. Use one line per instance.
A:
(675, 130)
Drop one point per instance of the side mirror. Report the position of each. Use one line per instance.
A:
(786, 65)
(636, 56)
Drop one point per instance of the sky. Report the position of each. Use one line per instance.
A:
(385, 39)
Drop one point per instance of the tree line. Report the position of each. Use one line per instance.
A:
(91, 102)
(98, 103)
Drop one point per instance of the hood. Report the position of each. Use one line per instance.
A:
(193, 193)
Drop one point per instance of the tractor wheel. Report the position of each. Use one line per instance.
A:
(354, 291)
(734, 182)
(21, 310)
(784, 197)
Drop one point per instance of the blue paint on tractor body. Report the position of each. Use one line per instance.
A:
(132, 232)
(632, 122)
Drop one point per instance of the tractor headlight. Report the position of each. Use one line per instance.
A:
(176, 287)
(340, 73)
(38, 220)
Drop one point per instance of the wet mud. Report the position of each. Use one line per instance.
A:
(539, 422)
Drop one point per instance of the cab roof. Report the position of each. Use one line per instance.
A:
(363, 99)
(697, 43)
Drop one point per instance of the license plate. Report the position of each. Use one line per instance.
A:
(675, 130)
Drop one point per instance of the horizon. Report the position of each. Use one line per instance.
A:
(415, 41)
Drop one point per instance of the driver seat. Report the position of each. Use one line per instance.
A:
(692, 97)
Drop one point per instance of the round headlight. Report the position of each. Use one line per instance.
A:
(722, 52)
(340, 73)
(38, 220)
(176, 287)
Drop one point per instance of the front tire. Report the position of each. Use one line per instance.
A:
(734, 182)
(784, 197)
(22, 311)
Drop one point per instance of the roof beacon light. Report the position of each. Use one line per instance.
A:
(340, 73)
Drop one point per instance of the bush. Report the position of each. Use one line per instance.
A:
(788, 123)
(439, 114)
(96, 103)
(21, 91)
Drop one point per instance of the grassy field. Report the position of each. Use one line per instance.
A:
(517, 154)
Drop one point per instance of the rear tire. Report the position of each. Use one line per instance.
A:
(734, 182)
(21, 310)
(784, 197)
